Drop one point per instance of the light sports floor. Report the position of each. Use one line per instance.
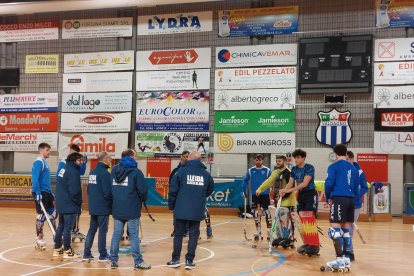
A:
(389, 250)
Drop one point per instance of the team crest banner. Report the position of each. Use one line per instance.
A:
(333, 128)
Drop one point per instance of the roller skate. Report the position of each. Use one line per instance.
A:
(40, 244)
(77, 236)
(338, 265)
(287, 243)
(58, 252)
(256, 239)
(302, 249)
(276, 242)
(312, 250)
(268, 234)
(209, 233)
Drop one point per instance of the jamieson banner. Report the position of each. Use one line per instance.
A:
(254, 121)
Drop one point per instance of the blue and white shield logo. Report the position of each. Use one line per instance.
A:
(333, 128)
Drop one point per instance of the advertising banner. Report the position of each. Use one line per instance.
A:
(394, 73)
(98, 122)
(39, 102)
(174, 59)
(258, 99)
(258, 22)
(93, 28)
(97, 62)
(394, 142)
(394, 49)
(159, 24)
(254, 78)
(16, 187)
(257, 55)
(29, 122)
(324, 207)
(394, 119)
(185, 110)
(160, 169)
(30, 31)
(42, 64)
(97, 102)
(173, 80)
(283, 142)
(395, 13)
(27, 141)
(375, 166)
(97, 82)
(254, 121)
(171, 144)
(93, 143)
(394, 96)
(409, 200)
(380, 200)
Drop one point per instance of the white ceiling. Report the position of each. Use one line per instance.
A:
(71, 5)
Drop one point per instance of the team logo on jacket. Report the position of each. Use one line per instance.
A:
(333, 128)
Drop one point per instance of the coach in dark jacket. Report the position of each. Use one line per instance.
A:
(189, 188)
(68, 201)
(100, 206)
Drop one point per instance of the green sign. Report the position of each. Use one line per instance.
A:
(254, 121)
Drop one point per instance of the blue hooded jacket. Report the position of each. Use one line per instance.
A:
(189, 188)
(69, 190)
(342, 180)
(129, 190)
(362, 186)
(100, 191)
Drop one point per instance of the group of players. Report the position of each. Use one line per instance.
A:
(345, 186)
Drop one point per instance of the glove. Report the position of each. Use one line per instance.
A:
(38, 198)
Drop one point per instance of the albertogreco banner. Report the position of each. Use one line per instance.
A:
(254, 121)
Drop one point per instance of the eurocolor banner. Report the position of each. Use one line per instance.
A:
(29, 122)
(93, 28)
(97, 82)
(97, 62)
(401, 119)
(254, 121)
(395, 13)
(171, 144)
(258, 22)
(394, 73)
(159, 24)
(394, 49)
(283, 142)
(40, 102)
(197, 79)
(254, 78)
(97, 102)
(185, 110)
(30, 31)
(191, 58)
(394, 142)
(93, 143)
(394, 96)
(259, 99)
(27, 141)
(42, 64)
(99, 122)
(16, 187)
(257, 55)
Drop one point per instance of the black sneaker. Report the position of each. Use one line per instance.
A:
(142, 265)
(173, 264)
(189, 265)
(87, 257)
(114, 265)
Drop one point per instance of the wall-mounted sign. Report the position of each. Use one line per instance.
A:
(191, 58)
(196, 79)
(28, 122)
(254, 78)
(39, 102)
(394, 142)
(30, 31)
(394, 73)
(394, 13)
(333, 127)
(97, 102)
(375, 166)
(394, 96)
(42, 64)
(159, 24)
(99, 122)
(258, 99)
(394, 49)
(395, 119)
(27, 141)
(97, 82)
(93, 28)
(259, 21)
(100, 61)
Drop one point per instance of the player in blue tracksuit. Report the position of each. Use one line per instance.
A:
(100, 206)
(68, 204)
(255, 176)
(341, 187)
(42, 191)
(129, 190)
(190, 187)
(362, 190)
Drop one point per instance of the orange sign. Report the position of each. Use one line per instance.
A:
(29, 122)
(160, 168)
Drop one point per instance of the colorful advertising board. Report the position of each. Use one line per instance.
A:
(375, 166)
(394, 49)
(94, 28)
(100, 61)
(394, 142)
(29, 122)
(97, 82)
(395, 13)
(27, 141)
(394, 119)
(42, 64)
(29, 31)
(394, 73)
(97, 102)
(39, 102)
(95, 122)
(16, 187)
(394, 96)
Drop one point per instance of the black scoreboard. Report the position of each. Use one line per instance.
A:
(339, 64)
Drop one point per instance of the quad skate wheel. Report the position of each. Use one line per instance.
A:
(331, 269)
(322, 268)
(346, 269)
(254, 246)
(340, 270)
(73, 239)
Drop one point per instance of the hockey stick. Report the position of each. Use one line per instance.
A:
(146, 208)
(359, 234)
(244, 221)
(47, 218)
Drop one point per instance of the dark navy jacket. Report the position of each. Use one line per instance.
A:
(69, 190)
(100, 191)
(189, 188)
(129, 189)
